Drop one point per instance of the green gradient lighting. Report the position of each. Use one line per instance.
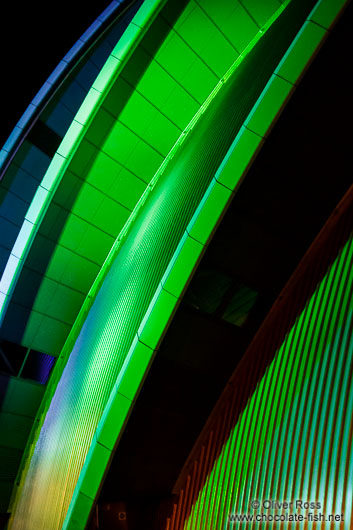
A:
(137, 234)
(301, 411)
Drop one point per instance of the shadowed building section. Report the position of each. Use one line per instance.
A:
(282, 428)
(119, 221)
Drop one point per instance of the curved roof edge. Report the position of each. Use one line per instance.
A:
(243, 151)
(236, 163)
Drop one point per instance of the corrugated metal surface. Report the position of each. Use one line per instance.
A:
(131, 282)
(283, 429)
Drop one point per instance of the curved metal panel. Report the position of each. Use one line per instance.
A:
(130, 312)
(288, 457)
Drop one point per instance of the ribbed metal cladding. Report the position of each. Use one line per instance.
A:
(105, 338)
(282, 431)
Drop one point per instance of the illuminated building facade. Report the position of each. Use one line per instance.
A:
(197, 313)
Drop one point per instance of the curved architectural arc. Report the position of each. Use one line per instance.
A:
(285, 455)
(188, 209)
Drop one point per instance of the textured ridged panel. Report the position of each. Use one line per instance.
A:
(129, 286)
(287, 437)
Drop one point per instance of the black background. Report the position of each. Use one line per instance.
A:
(34, 37)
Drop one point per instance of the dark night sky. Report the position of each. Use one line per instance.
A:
(34, 37)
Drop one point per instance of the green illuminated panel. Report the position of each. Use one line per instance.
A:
(301, 52)
(105, 173)
(72, 136)
(170, 52)
(56, 166)
(117, 97)
(52, 300)
(191, 73)
(261, 11)
(94, 244)
(147, 12)
(83, 158)
(79, 511)
(76, 228)
(124, 138)
(171, 98)
(128, 297)
(36, 206)
(295, 420)
(126, 188)
(182, 265)
(24, 235)
(110, 217)
(191, 81)
(269, 105)
(91, 101)
(87, 202)
(179, 107)
(113, 419)
(205, 219)
(238, 27)
(238, 158)
(99, 129)
(136, 367)
(156, 319)
(107, 75)
(208, 43)
(132, 151)
(221, 12)
(150, 123)
(325, 12)
(67, 190)
(92, 473)
(45, 334)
